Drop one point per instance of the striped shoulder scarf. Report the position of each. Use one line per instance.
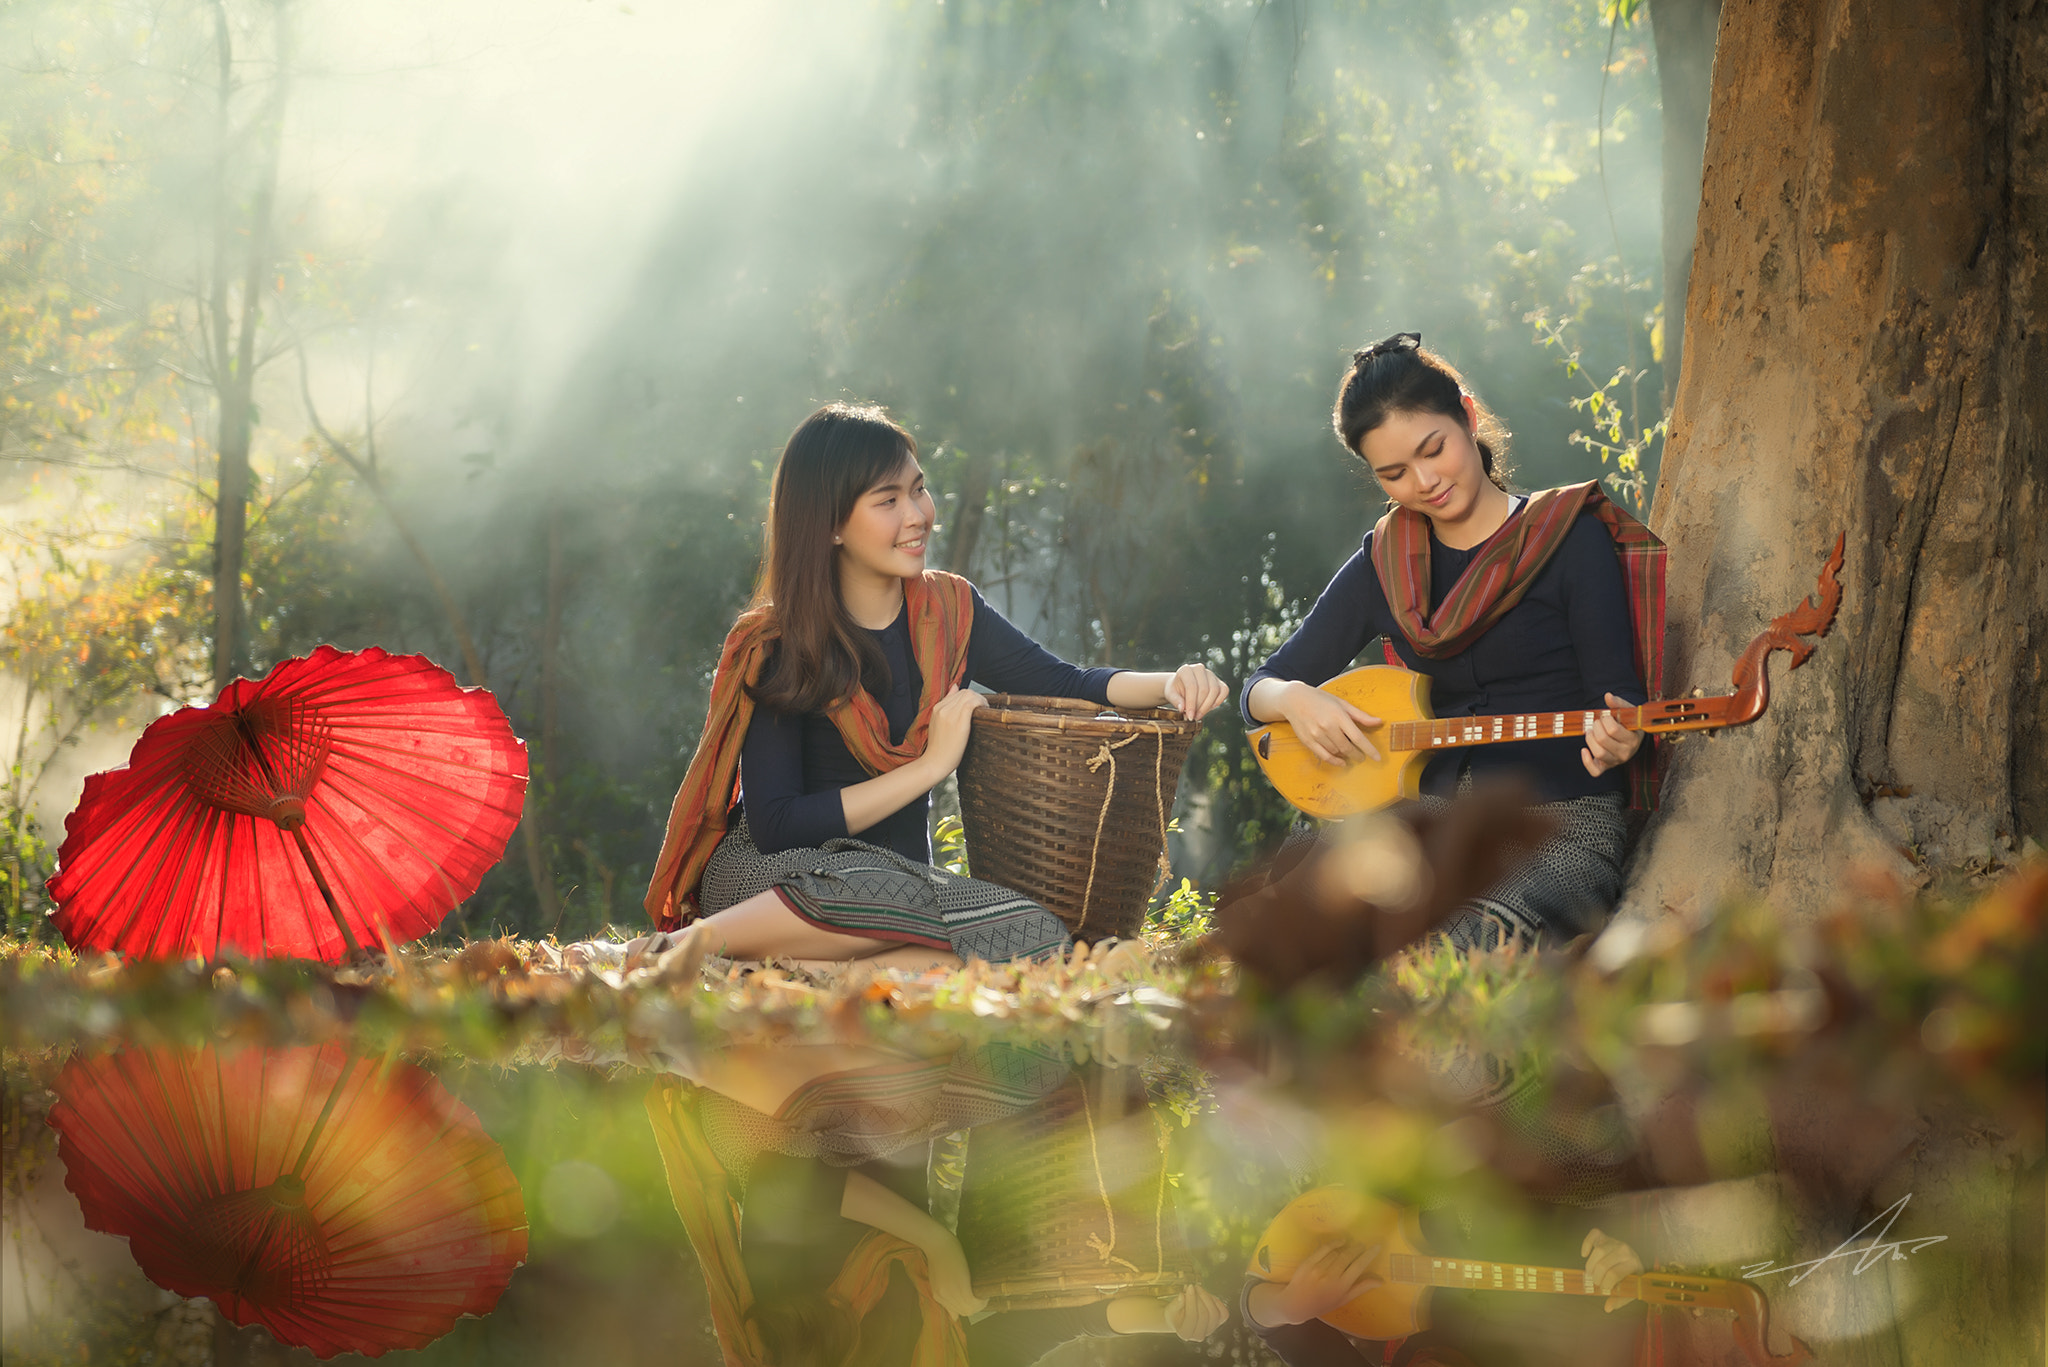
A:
(1503, 570)
(941, 619)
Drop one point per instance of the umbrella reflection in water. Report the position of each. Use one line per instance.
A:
(345, 1204)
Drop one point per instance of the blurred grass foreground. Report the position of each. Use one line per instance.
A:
(1908, 994)
(1741, 1073)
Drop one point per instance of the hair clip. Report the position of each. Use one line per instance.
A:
(1400, 341)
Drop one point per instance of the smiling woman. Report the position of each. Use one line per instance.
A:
(841, 700)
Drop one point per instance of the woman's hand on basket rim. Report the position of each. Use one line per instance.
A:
(952, 723)
(952, 1283)
(1195, 691)
(1195, 1314)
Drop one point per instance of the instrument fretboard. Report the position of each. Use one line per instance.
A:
(1662, 715)
(1448, 732)
(1420, 1269)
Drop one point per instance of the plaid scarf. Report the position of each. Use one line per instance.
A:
(941, 619)
(1502, 572)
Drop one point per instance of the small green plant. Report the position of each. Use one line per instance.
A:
(1618, 434)
(949, 841)
(1185, 913)
(25, 859)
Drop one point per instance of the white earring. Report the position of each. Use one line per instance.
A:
(835, 541)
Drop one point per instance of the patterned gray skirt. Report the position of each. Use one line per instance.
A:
(846, 1119)
(855, 888)
(1565, 889)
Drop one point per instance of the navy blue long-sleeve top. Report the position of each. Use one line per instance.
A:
(1564, 647)
(792, 765)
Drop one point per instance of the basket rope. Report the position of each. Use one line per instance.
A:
(1103, 756)
(1103, 1250)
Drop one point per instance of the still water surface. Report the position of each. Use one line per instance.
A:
(987, 1201)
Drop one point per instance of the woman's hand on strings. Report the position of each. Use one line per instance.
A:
(1195, 691)
(1608, 1260)
(1332, 729)
(1335, 1274)
(952, 723)
(1609, 743)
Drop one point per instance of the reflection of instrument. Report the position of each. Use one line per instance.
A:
(1409, 734)
(1400, 1306)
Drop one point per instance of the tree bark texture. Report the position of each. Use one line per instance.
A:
(1866, 354)
(1684, 32)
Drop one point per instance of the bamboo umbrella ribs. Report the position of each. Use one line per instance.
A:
(345, 799)
(345, 1204)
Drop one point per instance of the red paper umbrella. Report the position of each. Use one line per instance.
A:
(341, 798)
(345, 1204)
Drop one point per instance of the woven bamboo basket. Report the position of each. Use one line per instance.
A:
(1067, 803)
(1068, 1203)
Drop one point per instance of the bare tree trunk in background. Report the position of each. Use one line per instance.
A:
(972, 508)
(1683, 31)
(1869, 332)
(550, 690)
(233, 351)
(365, 468)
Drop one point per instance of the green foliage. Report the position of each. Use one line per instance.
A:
(1185, 913)
(1618, 432)
(1106, 261)
(26, 860)
(949, 844)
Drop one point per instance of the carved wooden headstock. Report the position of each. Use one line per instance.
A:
(1752, 694)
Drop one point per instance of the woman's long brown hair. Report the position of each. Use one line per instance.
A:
(834, 456)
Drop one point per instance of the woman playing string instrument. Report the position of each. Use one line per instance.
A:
(840, 700)
(1510, 604)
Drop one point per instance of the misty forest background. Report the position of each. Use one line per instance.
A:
(510, 308)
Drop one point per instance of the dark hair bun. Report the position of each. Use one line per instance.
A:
(1398, 375)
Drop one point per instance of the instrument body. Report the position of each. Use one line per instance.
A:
(1410, 732)
(1391, 1311)
(1330, 791)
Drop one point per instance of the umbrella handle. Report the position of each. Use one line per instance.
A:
(348, 936)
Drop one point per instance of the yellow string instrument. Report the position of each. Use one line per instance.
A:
(1409, 733)
(1399, 1306)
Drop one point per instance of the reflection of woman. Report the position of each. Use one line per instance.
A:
(817, 1247)
(1509, 604)
(840, 701)
(849, 1104)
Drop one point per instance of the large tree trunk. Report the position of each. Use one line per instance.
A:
(1683, 31)
(1867, 339)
